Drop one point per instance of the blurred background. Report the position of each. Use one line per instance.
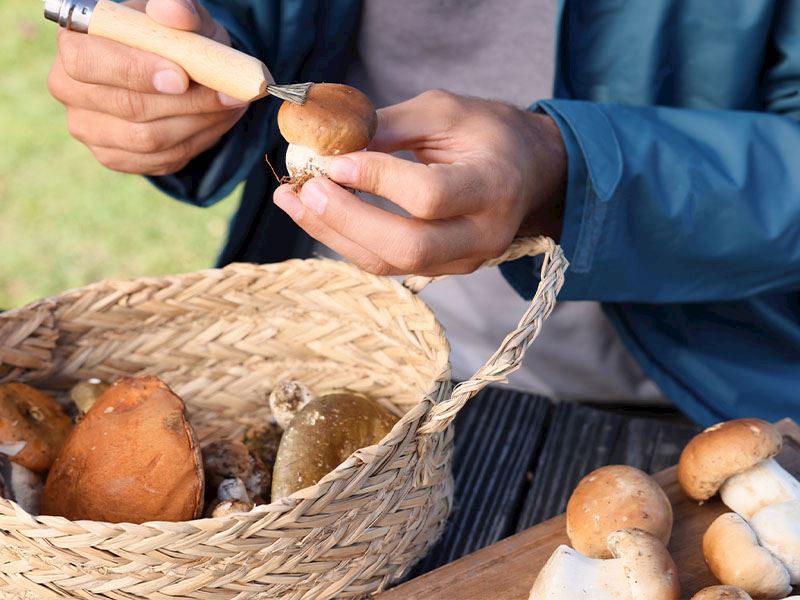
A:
(65, 220)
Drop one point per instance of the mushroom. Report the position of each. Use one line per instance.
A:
(85, 393)
(777, 527)
(735, 458)
(335, 119)
(616, 497)
(640, 567)
(132, 458)
(733, 554)
(727, 592)
(20, 485)
(286, 399)
(33, 426)
(229, 507)
(324, 433)
(230, 459)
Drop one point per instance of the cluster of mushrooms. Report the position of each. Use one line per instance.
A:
(129, 454)
(619, 523)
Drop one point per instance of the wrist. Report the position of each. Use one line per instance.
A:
(549, 173)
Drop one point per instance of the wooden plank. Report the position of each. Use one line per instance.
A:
(506, 570)
(496, 436)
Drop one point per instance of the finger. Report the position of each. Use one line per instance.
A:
(188, 16)
(129, 105)
(159, 163)
(92, 59)
(421, 122)
(412, 245)
(107, 131)
(434, 191)
(288, 201)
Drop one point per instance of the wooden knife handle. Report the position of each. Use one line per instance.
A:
(207, 62)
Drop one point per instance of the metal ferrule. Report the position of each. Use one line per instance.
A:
(70, 14)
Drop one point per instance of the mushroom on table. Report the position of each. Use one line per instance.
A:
(611, 498)
(756, 547)
(728, 592)
(640, 567)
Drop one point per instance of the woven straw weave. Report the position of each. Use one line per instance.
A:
(221, 339)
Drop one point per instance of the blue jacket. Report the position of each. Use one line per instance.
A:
(682, 125)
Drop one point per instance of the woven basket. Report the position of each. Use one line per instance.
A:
(221, 338)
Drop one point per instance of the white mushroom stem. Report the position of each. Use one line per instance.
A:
(764, 484)
(778, 529)
(569, 575)
(302, 160)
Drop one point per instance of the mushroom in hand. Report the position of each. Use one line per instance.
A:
(335, 119)
(640, 567)
(616, 497)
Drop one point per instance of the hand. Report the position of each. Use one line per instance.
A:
(487, 172)
(138, 112)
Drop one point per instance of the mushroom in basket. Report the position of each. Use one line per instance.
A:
(756, 547)
(323, 434)
(33, 428)
(132, 458)
(335, 119)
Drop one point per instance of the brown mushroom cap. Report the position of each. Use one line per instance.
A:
(722, 592)
(133, 458)
(650, 570)
(611, 498)
(725, 450)
(734, 556)
(33, 422)
(334, 119)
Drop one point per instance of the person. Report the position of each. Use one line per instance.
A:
(664, 163)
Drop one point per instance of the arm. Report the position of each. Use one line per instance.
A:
(678, 205)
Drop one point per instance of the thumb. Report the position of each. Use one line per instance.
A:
(188, 15)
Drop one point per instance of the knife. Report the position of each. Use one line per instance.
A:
(206, 61)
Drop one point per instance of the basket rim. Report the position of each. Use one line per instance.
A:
(441, 383)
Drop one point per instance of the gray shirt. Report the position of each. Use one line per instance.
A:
(503, 50)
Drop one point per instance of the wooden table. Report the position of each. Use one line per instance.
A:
(506, 570)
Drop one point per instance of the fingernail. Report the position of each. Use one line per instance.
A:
(289, 203)
(229, 101)
(313, 196)
(187, 4)
(343, 170)
(168, 82)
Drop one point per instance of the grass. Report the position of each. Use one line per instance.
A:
(65, 220)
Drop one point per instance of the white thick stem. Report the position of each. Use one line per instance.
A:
(569, 575)
(778, 529)
(764, 484)
(302, 160)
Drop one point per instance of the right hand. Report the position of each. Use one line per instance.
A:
(138, 112)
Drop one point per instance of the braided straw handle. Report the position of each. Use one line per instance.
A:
(508, 357)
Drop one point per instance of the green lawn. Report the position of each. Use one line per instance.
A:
(64, 219)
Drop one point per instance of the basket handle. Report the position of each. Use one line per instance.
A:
(508, 356)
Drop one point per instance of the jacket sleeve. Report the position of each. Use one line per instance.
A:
(681, 205)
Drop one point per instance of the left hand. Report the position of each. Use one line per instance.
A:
(487, 172)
